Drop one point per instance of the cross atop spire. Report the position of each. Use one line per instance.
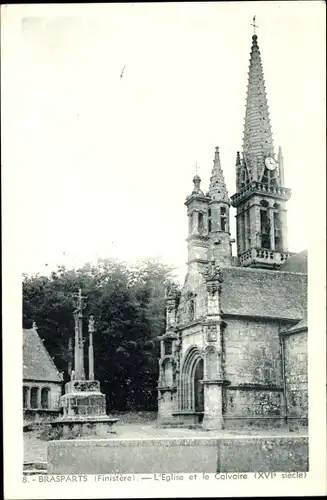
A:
(255, 26)
(196, 168)
(217, 189)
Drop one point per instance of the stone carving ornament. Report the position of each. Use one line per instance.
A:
(171, 291)
(213, 272)
(213, 287)
(212, 333)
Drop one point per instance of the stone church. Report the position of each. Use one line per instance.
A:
(234, 352)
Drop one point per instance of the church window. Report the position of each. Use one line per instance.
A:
(209, 220)
(168, 347)
(269, 177)
(45, 396)
(34, 397)
(25, 397)
(223, 218)
(191, 309)
(265, 227)
(190, 223)
(200, 223)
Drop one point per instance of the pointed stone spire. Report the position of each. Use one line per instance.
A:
(217, 189)
(257, 139)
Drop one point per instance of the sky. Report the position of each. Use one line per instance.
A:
(99, 166)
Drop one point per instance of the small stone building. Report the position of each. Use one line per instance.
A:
(42, 383)
(235, 348)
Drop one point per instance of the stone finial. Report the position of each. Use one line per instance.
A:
(197, 184)
(34, 326)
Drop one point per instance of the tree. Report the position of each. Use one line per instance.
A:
(128, 306)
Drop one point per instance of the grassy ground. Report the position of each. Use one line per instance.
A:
(142, 425)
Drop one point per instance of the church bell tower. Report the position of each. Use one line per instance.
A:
(261, 196)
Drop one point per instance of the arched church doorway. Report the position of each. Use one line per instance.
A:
(191, 392)
(198, 387)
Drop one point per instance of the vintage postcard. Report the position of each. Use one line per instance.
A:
(163, 173)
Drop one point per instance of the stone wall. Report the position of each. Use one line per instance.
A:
(296, 374)
(193, 335)
(175, 455)
(253, 366)
(252, 351)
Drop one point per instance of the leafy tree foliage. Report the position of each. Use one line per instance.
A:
(128, 306)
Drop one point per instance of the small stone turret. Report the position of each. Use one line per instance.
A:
(197, 211)
(169, 361)
(220, 248)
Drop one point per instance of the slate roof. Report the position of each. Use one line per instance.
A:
(37, 363)
(264, 293)
(298, 263)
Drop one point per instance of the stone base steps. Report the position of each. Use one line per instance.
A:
(33, 468)
(34, 472)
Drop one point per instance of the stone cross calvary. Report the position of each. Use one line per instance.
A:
(79, 372)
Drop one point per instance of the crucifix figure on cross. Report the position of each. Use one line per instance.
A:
(79, 300)
(255, 26)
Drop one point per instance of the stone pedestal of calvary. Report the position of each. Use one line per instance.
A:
(83, 404)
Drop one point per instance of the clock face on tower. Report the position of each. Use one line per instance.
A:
(270, 163)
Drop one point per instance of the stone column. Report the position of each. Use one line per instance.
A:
(91, 354)
(76, 348)
(240, 233)
(39, 398)
(81, 348)
(213, 396)
(283, 217)
(205, 222)
(213, 405)
(255, 229)
(70, 351)
(246, 229)
(28, 398)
